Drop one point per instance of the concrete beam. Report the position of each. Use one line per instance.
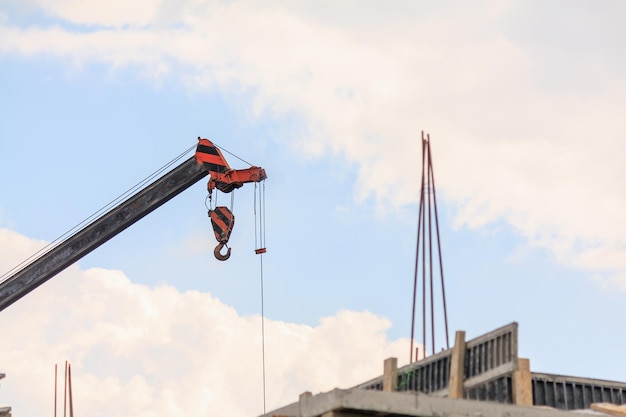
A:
(390, 375)
(457, 366)
(378, 403)
(337, 413)
(523, 383)
(611, 409)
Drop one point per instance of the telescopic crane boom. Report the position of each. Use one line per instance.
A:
(127, 213)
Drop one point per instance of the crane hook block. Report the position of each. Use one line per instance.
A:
(223, 221)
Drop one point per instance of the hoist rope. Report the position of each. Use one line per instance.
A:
(132, 190)
(259, 242)
(262, 225)
(263, 333)
(256, 231)
(259, 227)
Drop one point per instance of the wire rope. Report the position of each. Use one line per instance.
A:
(259, 239)
(263, 216)
(263, 335)
(131, 191)
(256, 231)
(232, 154)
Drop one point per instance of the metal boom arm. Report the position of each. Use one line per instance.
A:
(99, 231)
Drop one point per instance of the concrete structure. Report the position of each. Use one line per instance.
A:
(359, 403)
(457, 366)
(492, 371)
(486, 369)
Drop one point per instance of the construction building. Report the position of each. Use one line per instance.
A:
(481, 377)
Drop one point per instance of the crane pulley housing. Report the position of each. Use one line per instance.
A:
(225, 179)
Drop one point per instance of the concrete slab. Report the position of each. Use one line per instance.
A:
(401, 404)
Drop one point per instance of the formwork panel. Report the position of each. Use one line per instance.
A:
(578, 397)
(574, 393)
(497, 390)
(483, 354)
(539, 392)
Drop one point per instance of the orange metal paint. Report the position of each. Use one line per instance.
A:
(225, 179)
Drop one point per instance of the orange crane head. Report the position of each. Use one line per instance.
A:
(225, 179)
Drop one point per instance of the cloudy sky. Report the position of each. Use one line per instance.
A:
(525, 104)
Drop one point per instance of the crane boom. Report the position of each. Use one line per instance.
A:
(99, 231)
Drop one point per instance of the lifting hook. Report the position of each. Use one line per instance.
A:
(218, 254)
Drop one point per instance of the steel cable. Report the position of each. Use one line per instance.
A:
(132, 190)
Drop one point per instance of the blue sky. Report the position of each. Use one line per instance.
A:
(525, 108)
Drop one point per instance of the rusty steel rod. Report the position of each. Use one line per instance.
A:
(416, 272)
(55, 390)
(443, 287)
(423, 254)
(69, 382)
(65, 392)
(430, 250)
(428, 196)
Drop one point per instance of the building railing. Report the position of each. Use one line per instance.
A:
(492, 371)
(573, 393)
(486, 357)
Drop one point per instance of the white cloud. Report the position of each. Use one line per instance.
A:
(143, 351)
(99, 14)
(525, 103)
